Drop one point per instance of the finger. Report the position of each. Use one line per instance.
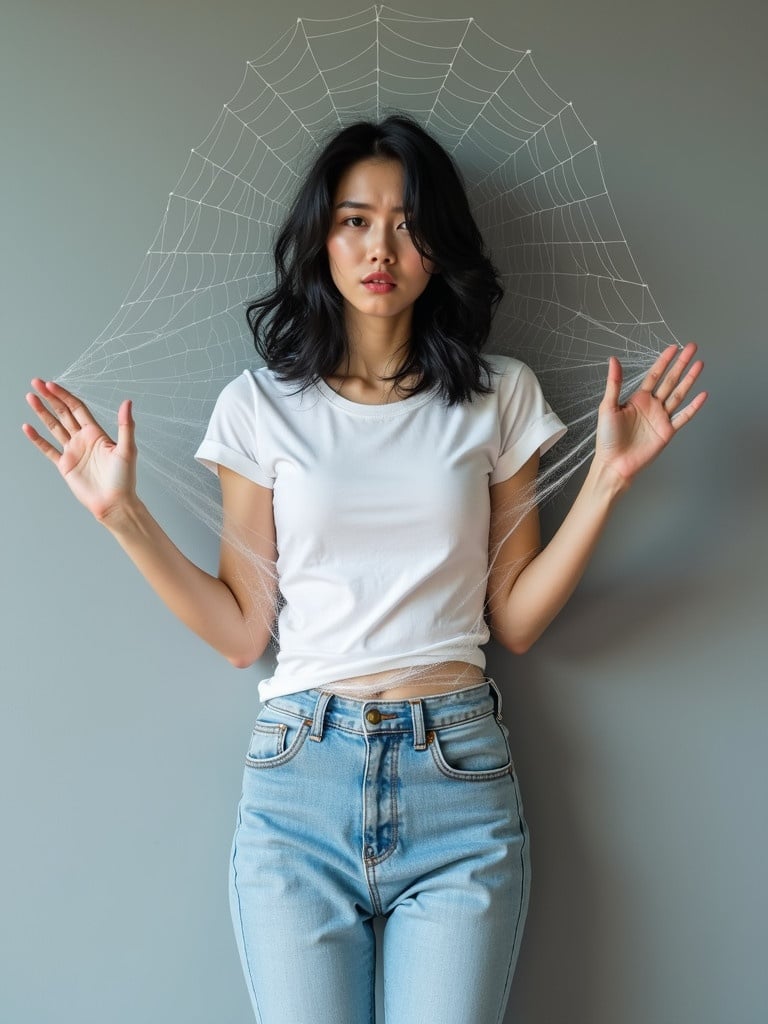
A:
(76, 406)
(59, 408)
(126, 445)
(46, 416)
(659, 368)
(675, 372)
(685, 415)
(45, 447)
(676, 399)
(613, 383)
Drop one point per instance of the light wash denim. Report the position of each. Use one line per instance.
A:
(354, 808)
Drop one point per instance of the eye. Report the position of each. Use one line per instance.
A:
(404, 223)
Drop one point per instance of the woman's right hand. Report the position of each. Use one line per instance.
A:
(99, 472)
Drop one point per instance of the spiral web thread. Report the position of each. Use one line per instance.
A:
(573, 293)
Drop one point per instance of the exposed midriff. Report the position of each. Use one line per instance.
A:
(422, 681)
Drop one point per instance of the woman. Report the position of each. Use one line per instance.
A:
(378, 779)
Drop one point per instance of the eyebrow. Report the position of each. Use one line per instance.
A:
(351, 205)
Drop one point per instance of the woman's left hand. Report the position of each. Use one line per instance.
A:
(630, 436)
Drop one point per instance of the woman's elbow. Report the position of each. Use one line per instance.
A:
(522, 645)
(241, 660)
(250, 648)
(514, 642)
(246, 658)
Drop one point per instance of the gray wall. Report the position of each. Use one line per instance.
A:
(639, 720)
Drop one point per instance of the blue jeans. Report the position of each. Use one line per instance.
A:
(407, 809)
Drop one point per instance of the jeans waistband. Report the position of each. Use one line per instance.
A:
(412, 714)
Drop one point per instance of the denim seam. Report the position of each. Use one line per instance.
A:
(274, 730)
(372, 999)
(405, 730)
(380, 858)
(486, 775)
(286, 755)
(463, 721)
(373, 890)
(516, 941)
(369, 865)
(240, 921)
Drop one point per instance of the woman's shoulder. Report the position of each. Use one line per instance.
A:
(249, 382)
(510, 369)
(259, 389)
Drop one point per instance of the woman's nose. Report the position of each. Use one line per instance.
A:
(381, 248)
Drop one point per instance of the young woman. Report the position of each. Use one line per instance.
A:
(373, 500)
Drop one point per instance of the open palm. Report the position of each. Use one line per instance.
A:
(99, 471)
(630, 436)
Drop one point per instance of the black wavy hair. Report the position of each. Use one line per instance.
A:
(298, 327)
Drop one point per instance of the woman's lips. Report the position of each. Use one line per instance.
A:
(374, 286)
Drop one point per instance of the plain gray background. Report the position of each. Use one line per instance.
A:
(638, 720)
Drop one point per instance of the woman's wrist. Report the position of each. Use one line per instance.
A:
(605, 482)
(124, 516)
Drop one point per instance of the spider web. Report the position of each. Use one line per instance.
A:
(535, 183)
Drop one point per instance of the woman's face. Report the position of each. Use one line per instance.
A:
(369, 233)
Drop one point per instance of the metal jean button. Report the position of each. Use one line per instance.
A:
(373, 716)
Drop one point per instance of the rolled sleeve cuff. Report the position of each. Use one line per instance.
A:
(542, 435)
(213, 454)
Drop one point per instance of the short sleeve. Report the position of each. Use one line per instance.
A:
(231, 438)
(527, 422)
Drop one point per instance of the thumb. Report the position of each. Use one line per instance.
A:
(613, 384)
(126, 445)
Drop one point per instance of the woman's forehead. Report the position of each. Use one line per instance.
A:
(374, 181)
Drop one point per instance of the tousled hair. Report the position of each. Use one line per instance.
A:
(298, 326)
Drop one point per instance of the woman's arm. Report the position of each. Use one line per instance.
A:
(528, 586)
(233, 613)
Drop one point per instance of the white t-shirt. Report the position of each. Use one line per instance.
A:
(382, 514)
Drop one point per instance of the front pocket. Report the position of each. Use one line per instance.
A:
(476, 750)
(276, 738)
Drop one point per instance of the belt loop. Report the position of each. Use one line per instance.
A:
(417, 714)
(317, 719)
(496, 693)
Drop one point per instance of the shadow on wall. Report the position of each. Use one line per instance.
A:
(678, 586)
(560, 962)
(683, 547)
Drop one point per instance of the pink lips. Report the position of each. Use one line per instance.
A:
(380, 275)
